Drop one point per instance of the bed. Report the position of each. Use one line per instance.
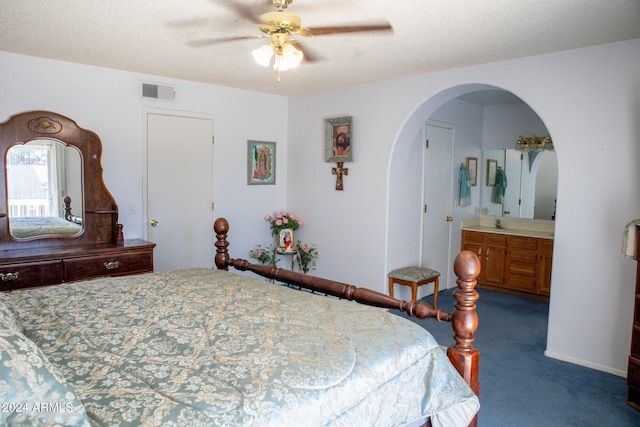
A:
(89, 336)
(211, 347)
(39, 226)
(28, 227)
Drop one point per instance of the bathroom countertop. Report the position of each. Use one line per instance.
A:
(515, 227)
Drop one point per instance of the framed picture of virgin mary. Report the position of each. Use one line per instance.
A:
(261, 162)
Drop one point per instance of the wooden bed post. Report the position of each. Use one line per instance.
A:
(463, 355)
(221, 227)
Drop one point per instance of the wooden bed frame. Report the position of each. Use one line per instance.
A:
(67, 211)
(464, 319)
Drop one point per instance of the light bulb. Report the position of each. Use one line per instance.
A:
(292, 56)
(263, 55)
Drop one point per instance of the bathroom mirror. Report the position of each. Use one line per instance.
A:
(44, 189)
(532, 181)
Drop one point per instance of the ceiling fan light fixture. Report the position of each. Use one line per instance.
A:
(263, 55)
(290, 57)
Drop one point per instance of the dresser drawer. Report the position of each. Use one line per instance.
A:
(27, 275)
(522, 269)
(635, 341)
(108, 265)
(494, 239)
(473, 237)
(523, 243)
(633, 372)
(523, 255)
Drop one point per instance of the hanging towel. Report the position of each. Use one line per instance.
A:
(464, 178)
(501, 185)
(629, 243)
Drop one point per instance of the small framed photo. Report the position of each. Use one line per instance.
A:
(261, 162)
(472, 167)
(338, 140)
(285, 241)
(492, 169)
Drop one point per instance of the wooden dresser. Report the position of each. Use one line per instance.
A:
(49, 266)
(58, 220)
(633, 371)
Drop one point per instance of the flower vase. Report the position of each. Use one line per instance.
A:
(284, 245)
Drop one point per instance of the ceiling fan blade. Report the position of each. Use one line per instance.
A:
(250, 13)
(218, 40)
(322, 31)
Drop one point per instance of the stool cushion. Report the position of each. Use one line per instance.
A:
(413, 274)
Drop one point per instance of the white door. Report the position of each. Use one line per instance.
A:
(180, 189)
(438, 178)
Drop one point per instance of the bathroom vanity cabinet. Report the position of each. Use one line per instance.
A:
(517, 264)
(491, 249)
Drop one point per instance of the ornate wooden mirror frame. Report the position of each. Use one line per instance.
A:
(100, 212)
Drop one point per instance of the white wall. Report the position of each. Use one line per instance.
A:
(505, 123)
(108, 102)
(588, 99)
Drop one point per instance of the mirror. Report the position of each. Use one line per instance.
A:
(44, 189)
(74, 173)
(532, 181)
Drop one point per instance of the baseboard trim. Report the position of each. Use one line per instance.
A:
(586, 364)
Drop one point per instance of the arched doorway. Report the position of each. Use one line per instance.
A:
(486, 118)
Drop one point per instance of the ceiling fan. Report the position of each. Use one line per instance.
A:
(281, 27)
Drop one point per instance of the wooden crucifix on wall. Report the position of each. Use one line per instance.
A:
(338, 146)
(339, 171)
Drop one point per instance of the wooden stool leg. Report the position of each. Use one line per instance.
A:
(391, 288)
(435, 292)
(414, 291)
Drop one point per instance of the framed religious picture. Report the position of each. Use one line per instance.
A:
(261, 162)
(338, 140)
(285, 241)
(472, 167)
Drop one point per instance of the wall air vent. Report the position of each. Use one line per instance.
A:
(158, 92)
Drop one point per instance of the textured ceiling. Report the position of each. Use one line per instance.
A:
(157, 36)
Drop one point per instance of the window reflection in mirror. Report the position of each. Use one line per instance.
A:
(40, 175)
(532, 181)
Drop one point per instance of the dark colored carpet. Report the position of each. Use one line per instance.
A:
(521, 387)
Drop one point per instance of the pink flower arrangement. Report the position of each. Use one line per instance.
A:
(281, 221)
(305, 255)
(264, 255)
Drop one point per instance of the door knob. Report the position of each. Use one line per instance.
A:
(153, 223)
(449, 218)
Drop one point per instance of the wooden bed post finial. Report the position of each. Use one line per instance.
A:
(463, 355)
(221, 227)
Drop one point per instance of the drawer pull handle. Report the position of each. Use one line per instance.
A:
(8, 277)
(112, 265)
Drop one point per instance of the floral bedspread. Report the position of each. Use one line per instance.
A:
(209, 347)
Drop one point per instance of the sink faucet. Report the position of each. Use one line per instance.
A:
(498, 223)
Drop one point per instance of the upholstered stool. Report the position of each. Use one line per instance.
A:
(415, 277)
